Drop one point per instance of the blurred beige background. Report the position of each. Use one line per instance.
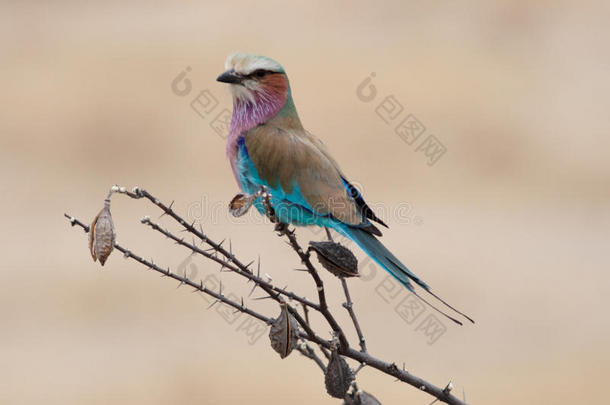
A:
(511, 224)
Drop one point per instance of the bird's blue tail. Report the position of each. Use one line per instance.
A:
(375, 249)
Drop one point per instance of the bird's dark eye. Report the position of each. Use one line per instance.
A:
(260, 73)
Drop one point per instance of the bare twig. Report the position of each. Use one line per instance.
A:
(138, 193)
(305, 259)
(322, 348)
(308, 352)
(229, 261)
(75, 221)
(182, 279)
(349, 305)
(319, 286)
(229, 266)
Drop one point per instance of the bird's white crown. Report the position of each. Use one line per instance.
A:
(246, 63)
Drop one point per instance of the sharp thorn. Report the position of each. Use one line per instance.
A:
(252, 290)
(262, 298)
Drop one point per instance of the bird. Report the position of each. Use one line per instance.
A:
(269, 149)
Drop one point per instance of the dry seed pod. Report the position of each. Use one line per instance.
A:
(240, 204)
(336, 258)
(283, 332)
(360, 398)
(338, 376)
(101, 235)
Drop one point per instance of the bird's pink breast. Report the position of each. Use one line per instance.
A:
(247, 114)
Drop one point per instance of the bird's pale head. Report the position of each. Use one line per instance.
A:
(255, 79)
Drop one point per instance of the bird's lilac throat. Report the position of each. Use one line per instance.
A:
(248, 114)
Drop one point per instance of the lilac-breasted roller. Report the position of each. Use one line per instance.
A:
(267, 146)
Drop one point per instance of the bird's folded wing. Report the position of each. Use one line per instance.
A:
(299, 164)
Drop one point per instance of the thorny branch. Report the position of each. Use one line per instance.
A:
(305, 259)
(308, 352)
(349, 305)
(229, 266)
(227, 259)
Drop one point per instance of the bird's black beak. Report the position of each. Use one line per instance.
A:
(229, 77)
